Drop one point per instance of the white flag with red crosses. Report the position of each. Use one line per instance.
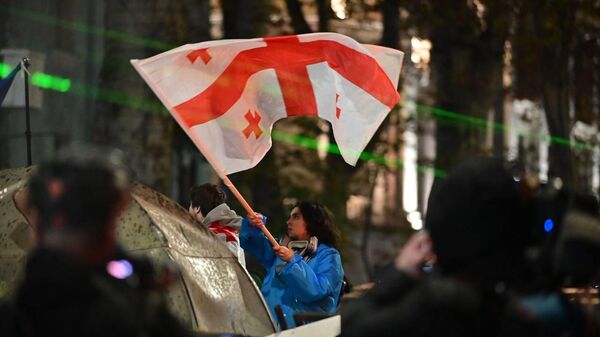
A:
(227, 94)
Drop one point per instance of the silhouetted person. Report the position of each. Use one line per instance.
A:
(77, 281)
(576, 264)
(477, 232)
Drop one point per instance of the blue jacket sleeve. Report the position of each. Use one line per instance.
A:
(254, 241)
(311, 285)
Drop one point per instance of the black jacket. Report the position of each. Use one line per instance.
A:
(433, 306)
(62, 297)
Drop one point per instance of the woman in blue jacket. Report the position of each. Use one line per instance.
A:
(308, 276)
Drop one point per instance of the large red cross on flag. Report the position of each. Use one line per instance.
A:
(227, 94)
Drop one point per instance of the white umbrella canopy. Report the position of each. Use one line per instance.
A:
(213, 293)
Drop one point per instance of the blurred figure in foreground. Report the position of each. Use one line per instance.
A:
(578, 248)
(77, 281)
(577, 267)
(478, 228)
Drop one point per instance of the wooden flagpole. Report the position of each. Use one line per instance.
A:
(207, 154)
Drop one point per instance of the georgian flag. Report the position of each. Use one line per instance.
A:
(227, 94)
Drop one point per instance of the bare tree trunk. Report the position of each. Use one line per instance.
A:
(199, 12)
(555, 79)
(467, 60)
(391, 23)
(499, 117)
(297, 16)
(585, 91)
(337, 174)
(238, 19)
(324, 10)
(368, 226)
(451, 137)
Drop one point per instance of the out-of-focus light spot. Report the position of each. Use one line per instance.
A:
(420, 51)
(4, 70)
(557, 183)
(322, 145)
(410, 194)
(339, 8)
(415, 220)
(480, 12)
(120, 269)
(548, 225)
(41, 80)
(417, 225)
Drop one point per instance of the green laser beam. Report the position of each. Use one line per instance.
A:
(499, 127)
(117, 97)
(46, 81)
(88, 29)
(4, 70)
(63, 85)
(311, 143)
(42, 80)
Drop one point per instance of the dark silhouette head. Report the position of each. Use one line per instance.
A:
(207, 197)
(319, 222)
(478, 221)
(77, 197)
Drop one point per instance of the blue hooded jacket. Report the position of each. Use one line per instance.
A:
(299, 285)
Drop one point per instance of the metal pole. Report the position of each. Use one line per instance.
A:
(27, 115)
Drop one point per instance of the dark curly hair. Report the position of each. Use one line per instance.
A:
(319, 222)
(207, 197)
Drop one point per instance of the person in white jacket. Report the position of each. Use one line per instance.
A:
(208, 205)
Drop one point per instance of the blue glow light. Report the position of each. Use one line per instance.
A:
(548, 225)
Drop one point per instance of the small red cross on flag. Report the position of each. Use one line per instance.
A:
(337, 108)
(218, 100)
(253, 119)
(201, 53)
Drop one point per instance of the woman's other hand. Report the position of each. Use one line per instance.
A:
(284, 253)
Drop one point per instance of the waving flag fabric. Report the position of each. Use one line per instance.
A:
(6, 82)
(228, 94)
